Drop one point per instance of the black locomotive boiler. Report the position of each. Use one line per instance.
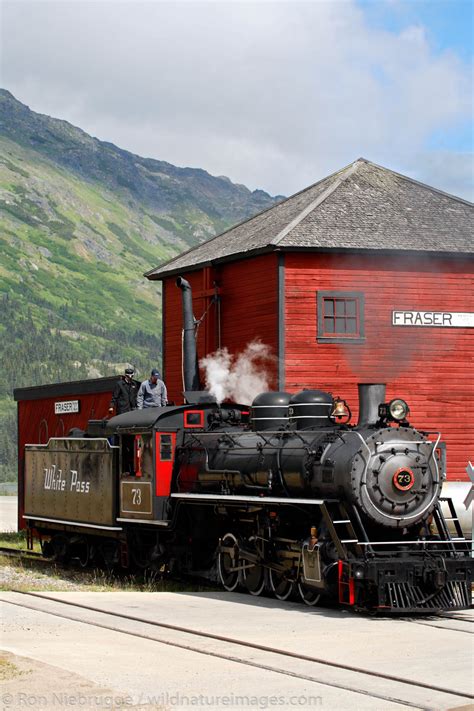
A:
(284, 497)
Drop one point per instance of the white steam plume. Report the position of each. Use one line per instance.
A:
(241, 377)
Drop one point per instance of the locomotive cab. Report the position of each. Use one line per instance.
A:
(148, 440)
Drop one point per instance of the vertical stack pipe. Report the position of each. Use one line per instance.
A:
(190, 361)
(370, 397)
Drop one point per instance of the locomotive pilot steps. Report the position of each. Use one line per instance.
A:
(284, 497)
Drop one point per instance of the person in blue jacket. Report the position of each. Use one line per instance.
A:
(152, 392)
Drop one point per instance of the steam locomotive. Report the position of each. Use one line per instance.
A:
(285, 497)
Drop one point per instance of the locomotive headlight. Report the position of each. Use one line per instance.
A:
(398, 410)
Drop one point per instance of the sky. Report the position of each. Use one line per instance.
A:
(272, 94)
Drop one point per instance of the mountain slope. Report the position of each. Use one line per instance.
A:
(215, 201)
(80, 222)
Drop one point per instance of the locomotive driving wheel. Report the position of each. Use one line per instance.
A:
(254, 579)
(282, 587)
(84, 553)
(253, 575)
(227, 562)
(308, 595)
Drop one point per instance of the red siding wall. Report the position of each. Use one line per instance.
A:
(249, 310)
(432, 368)
(250, 302)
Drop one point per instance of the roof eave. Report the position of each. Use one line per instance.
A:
(165, 274)
(155, 275)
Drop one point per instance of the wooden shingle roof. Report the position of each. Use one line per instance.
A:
(361, 207)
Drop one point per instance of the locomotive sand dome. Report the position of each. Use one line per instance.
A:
(270, 410)
(310, 409)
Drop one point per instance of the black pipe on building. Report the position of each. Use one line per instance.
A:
(371, 395)
(190, 359)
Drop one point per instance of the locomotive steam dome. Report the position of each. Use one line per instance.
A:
(310, 408)
(270, 410)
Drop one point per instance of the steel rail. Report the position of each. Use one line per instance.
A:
(248, 645)
(21, 553)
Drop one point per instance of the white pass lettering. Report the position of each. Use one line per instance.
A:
(56, 480)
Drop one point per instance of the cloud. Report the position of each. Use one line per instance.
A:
(274, 95)
(448, 171)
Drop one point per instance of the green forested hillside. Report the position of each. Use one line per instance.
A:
(80, 221)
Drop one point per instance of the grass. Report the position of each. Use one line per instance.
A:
(16, 541)
(8, 670)
(33, 575)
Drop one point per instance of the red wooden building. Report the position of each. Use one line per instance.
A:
(366, 276)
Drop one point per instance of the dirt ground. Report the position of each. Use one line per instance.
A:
(26, 683)
(19, 576)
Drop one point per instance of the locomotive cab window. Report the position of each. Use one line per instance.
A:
(340, 316)
(166, 448)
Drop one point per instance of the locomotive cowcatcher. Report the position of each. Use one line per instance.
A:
(283, 497)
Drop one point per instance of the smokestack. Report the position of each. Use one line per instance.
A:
(370, 397)
(190, 360)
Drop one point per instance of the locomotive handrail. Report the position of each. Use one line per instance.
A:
(250, 499)
(405, 442)
(74, 439)
(438, 541)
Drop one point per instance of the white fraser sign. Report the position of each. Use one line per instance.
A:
(440, 319)
(66, 407)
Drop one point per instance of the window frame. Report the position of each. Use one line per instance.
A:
(164, 445)
(322, 336)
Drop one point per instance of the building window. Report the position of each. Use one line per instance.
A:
(340, 316)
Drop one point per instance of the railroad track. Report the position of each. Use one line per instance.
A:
(21, 553)
(431, 619)
(231, 649)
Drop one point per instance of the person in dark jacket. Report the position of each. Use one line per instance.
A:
(124, 397)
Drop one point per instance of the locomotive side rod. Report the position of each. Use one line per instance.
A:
(241, 643)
